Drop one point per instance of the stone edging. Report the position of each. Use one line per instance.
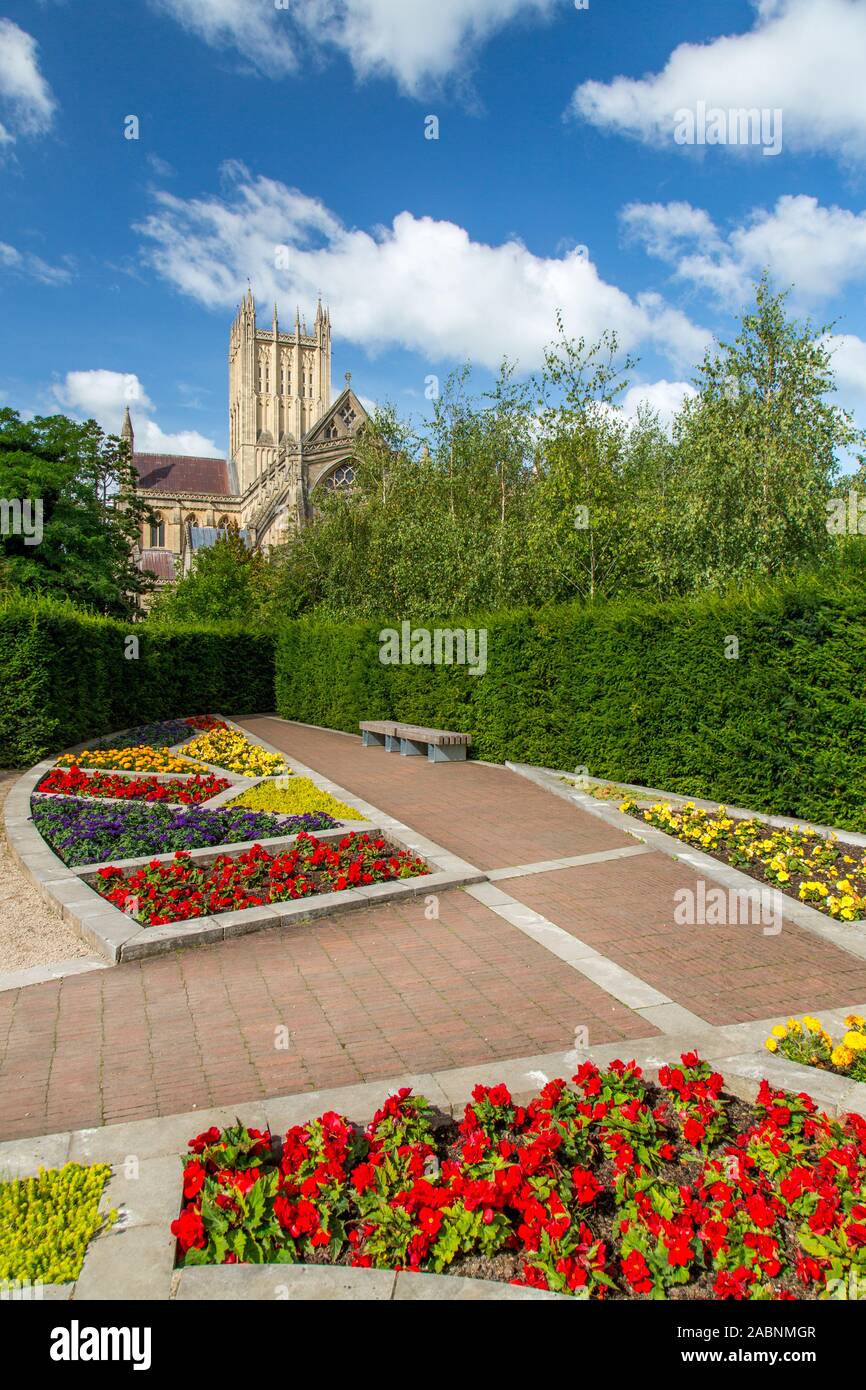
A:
(115, 936)
(135, 1258)
(850, 938)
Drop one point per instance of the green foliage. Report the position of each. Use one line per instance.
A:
(636, 691)
(758, 450)
(543, 492)
(224, 585)
(84, 484)
(66, 678)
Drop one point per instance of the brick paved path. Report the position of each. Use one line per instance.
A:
(725, 974)
(490, 817)
(385, 991)
(623, 908)
(372, 994)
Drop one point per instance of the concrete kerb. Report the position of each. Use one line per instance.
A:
(850, 938)
(115, 936)
(134, 1258)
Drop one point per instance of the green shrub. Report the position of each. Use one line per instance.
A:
(636, 692)
(64, 675)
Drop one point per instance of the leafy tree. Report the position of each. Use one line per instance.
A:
(758, 450)
(226, 582)
(80, 485)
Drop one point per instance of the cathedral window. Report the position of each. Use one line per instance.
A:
(157, 534)
(341, 478)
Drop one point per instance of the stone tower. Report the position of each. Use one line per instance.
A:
(279, 387)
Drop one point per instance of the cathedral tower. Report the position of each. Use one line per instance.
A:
(279, 387)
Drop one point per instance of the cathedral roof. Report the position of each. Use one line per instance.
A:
(183, 473)
(158, 562)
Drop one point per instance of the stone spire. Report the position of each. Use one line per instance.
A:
(127, 434)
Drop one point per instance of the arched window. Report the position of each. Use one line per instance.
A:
(223, 524)
(191, 521)
(342, 477)
(157, 534)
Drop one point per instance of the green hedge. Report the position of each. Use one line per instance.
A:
(64, 675)
(635, 692)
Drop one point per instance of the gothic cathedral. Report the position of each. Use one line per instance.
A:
(286, 440)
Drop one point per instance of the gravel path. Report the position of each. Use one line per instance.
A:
(30, 932)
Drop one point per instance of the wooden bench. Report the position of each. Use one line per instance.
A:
(411, 740)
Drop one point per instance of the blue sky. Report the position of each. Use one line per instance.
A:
(556, 182)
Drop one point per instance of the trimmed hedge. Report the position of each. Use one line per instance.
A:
(64, 675)
(635, 692)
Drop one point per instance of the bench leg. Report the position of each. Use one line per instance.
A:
(371, 740)
(392, 744)
(453, 753)
(410, 749)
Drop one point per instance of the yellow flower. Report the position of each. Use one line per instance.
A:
(855, 1042)
(771, 1045)
(811, 1023)
(855, 1021)
(842, 1057)
(779, 1031)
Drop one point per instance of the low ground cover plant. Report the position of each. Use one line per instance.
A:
(164, 734)
(613, 1187)
(137, 758)
(84, 832)
(182, 889)
(76, 782)
(229, 749)
(48, 1221)
(293, 796)
(806, 1041)
(821, 871)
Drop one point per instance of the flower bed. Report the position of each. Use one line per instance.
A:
(820, 870)
(47, 1222)
(808, 1043)
(74, 782)
(165, 734)
(138, 758)
(183, 890)
(80, 832)
(293, 795)
(616, 1188)
(226, 748)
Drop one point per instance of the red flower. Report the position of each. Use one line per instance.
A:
(636, 1271)
(189, 1230)
(193, 1179)
(694, 1131)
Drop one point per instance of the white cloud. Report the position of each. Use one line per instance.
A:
(413, 41)
(102, 395)
(818, 250)
(420, 284)
(664, 397)
(802, 57)
(27, 102)
(254, 28)
(849, 363)
(33, 267)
